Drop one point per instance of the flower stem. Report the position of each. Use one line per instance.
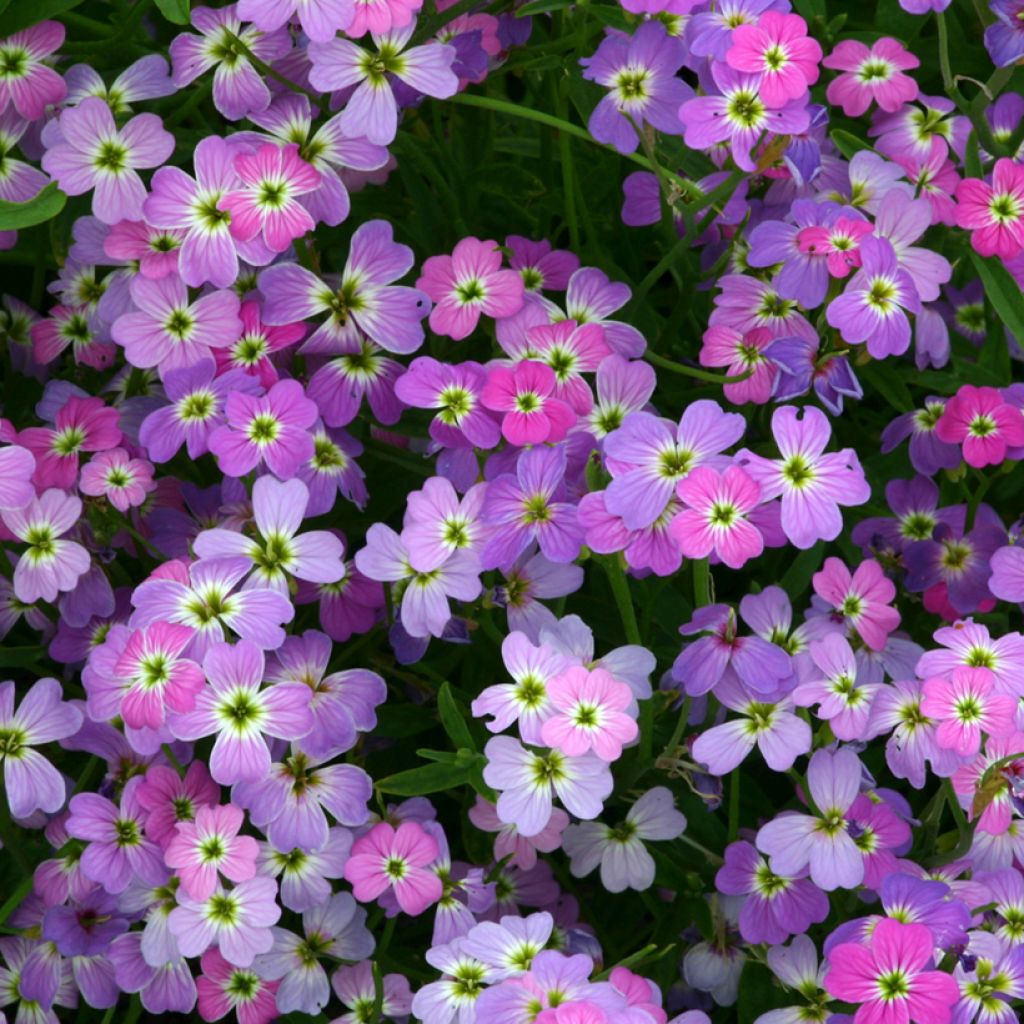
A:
(623, 599)
(693, 371)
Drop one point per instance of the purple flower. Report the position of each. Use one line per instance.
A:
(956, 562)
(1004, 39)
(812, 484)
(148, 78)
(799, 366)
(533, 577)
(709, 33)
(238, 88)
(28, 83)
(320, 20)
(272, 429)
(527, 507)
(623, 386)
(240, 713)
(363, 303)
(640, 73)
(437, 523)
(85, 927)
(371, 110)
(647, 456)
(30, 782)
(168, 988)
(928, 454)
(95, 154)
(118, 849)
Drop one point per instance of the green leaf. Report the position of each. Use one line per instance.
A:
(19, 14)
(43, 206)
(175, 11)
(20, 657)
(803, 567)
(430, 778)
(1004, 294)
(847, 144)
(542, 7)
(399, 721)
(888, 383)
(454, 719)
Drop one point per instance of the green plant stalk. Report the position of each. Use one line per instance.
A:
(693, 371)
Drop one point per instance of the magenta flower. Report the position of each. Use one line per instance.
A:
(203, 596)
(647, 457)
(155, 676)
(571, 350)
(272, 429)
(258, 342)
(237, 922)
(780, 51)
(168, 798)
(983, 422)
(371, 110)
(210, 845)
(738, 115)
(528, 780)
(741, 353)
(812, 484)
(870, 75)
(863, 599)
(874, 306)
(190, 207)
(278, 509)
(95, 154)
(640, 74)
(122, 480)
(823, 841)
(892, 976)
(31, 783)
(223, 987)
(838, 242)
(716, 516)
(49, 565)
(468, 283)
(118, 849)
(994, 214)
(588, 712)
(387, 858)
(240, 713)
(28, 83)
(238, 88)
(74, 326)
(525, 395)
(530, 506)
(267, 202)
(363, 302)
(321, 20)
(965, 705)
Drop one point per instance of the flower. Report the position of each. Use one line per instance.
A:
(222, 987)
(640, 73)
(30, 782)
(208, 845)
(870, 75)
(240, 714)
(122, 480)
(49, 565)
(529, 780)
(272, 429)
(979, 419)
(965, 705)
(620, 851)
(526, 396)
(354, 985)
(28, 83)
(321, 20)
(843, 696)
(588, 713)
(371, 110)
(741, 354)
(95, 154)
(17, 466)
(389, 858)
(468, 283)
(862, 599)
(892, 977)
(812, 484)
(779, 49)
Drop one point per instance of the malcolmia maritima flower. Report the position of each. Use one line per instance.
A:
(862, 598)
(844, 699)
(871, 75)
(395, 858)
(320, 20)
(966, 705)
(122, 480)
(28, 83)
(588, 712)
(525, 396)
(779, 49)
(983, 423)
(93, 153)
(208, 846)
(994, 213)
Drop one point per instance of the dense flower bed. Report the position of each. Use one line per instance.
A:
(509, 511)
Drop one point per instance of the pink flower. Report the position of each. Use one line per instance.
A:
(321, 20)
(862, 599)
(222, 988)
(994, 213)
(387, 858)
(741, 353)
(525, 395)
(779, 49)
(520, 850)
(716, 518)
(966, 705)
(123, 481)
(892, 977)
(27, 83)
(209, 845)
(17, 466)
(272, 180)
(589, 714)
(874, 75)
(980, 420)
(838, 242)
(468, 283)
(273, 429)
(574, 1012)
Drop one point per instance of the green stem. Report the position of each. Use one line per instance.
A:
(713, 858)
(623, 599)
(692, 371)
(568, 173)
(175, 763)
(659, 269)
(972, 507)
(734, 804)
(701, 582)
(266, 69)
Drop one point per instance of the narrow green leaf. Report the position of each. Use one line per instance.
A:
(847, 144)
(542, 7)
(175, 11)
(20, 657)
(1004, 293)
(43, 206)
(887, 382)
(19, 14)
(802, 568)
(430, 778)
(454, 719)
